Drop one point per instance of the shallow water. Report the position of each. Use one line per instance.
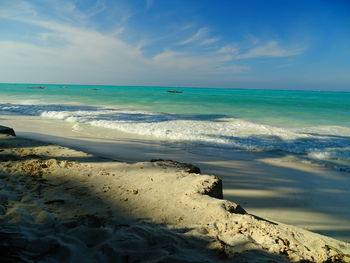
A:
(311, 124)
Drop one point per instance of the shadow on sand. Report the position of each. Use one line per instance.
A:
(294, 189)
(46, 219)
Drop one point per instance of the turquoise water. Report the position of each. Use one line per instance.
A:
(277, 107)
(310, 123)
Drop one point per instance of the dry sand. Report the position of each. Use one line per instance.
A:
(271, 186)
(62, 205)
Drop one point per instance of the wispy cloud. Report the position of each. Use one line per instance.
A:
(209, 41)
(200, 38)
(202, 32)
(98, 8)
(271, 49)
(65, 51)
(183, 61)
(228, 49)
(88, 56)
(16, 9)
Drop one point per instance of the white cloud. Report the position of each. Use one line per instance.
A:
(270, 50)
(209, 41)
(91, 57)
(184, 62)
(98, 8)
(63, 53)
(196, 36)
(16, 9)
(228, 49)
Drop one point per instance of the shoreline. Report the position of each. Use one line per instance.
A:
(264, 184)
(326, 145)
(105, 209)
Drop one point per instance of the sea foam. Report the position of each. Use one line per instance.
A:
(321, 142)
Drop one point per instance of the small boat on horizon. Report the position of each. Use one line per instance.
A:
(38, 87)
(174, 91)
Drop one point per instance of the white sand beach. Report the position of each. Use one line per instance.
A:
(69, 203)
(275, 187)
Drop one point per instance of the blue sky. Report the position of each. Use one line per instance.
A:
(280, 44)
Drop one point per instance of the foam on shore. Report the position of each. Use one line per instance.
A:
(321, 143)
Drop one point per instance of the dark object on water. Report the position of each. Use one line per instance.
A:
(64, 87)
(174, 91)
(38, 87)
(95, 89)
(7, 130)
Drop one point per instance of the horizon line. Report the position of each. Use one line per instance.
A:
(181, 87)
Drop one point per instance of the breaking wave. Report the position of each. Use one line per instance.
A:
(321, 142)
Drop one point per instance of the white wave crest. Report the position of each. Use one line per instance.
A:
(316, 142)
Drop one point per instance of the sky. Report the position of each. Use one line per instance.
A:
(279, 44)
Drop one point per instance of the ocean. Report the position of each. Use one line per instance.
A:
(311, 125)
